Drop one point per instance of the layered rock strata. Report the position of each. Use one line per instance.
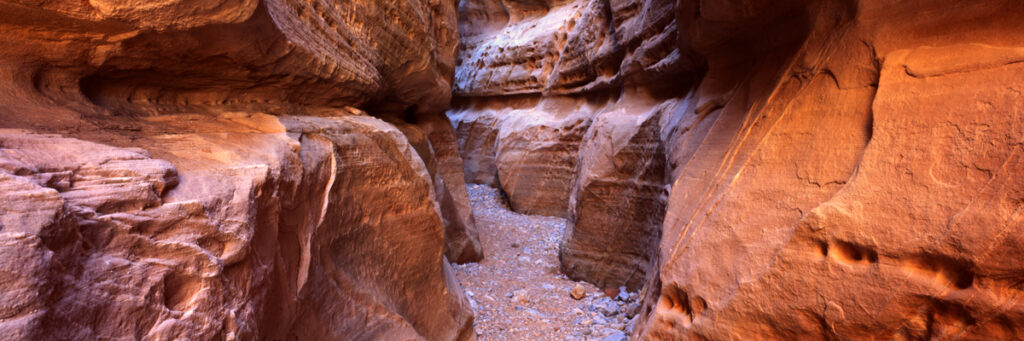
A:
(848, 181)
(197, 170)
(618, 199)
(248, 226)
(838, 169)
(532, 79)
(532, 150)
(434, 140)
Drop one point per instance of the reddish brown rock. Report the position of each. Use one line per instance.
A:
(147, 192)
(618, 200)
(535, 149)
(531, 80)
(477, 133)
(410, 287)
(838, 169)
(537, 156)
(434, 140)
(460, 222)
(566, 47)
(264, 236)
(849, 182)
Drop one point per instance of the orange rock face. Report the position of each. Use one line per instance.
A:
(851, 180)
(248, 226)
(282, 169)
(836, 169)
(434, 140)
(197, 170)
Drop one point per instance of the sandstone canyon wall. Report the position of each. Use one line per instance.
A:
(833, 169)
(559, 103)
(282, 169)
(196, 170)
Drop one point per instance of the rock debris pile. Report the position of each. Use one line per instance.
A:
(517, 291)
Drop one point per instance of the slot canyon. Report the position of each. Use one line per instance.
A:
(511, 170)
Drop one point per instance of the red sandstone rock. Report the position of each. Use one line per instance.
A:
(838, 169)
(265, 236)
(532, 78)
(618, 200)
(166, 203)
(535, 150)
(477, 133)
(434, 140)
(460, 223)
(850, 180)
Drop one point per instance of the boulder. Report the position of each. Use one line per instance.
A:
(256, 232)
(618, 201)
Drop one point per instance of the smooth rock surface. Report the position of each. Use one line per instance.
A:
(848, 181)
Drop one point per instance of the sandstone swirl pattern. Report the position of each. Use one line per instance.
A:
(834, 169)
(192, 169)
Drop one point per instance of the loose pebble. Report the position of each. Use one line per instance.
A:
(536, 302)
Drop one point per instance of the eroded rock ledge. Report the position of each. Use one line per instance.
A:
(247, 226)
(207, 170)
(561, 104)
(837, 169)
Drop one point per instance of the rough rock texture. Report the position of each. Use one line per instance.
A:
(248, 226)
(434, 140)
(566, 47)
(197, 170)
(283, 56)
(838, 169)
(532, 150)
(532, 77)
(618, 200)
(844, 170)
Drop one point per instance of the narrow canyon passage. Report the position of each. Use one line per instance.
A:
(518, 293)
(460, 170)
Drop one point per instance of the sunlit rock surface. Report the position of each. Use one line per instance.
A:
(842, 171)
(197, 170)
(835, 169)
(280, 169)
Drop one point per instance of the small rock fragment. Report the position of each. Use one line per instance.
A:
(615, 336)
(623, 295)
(632, 309)
(520, 295)
(611, 292)
(578, 292)
(608, 308)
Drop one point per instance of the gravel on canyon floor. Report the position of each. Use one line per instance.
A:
(517, 291)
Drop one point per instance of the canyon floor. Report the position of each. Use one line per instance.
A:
(517, 291)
